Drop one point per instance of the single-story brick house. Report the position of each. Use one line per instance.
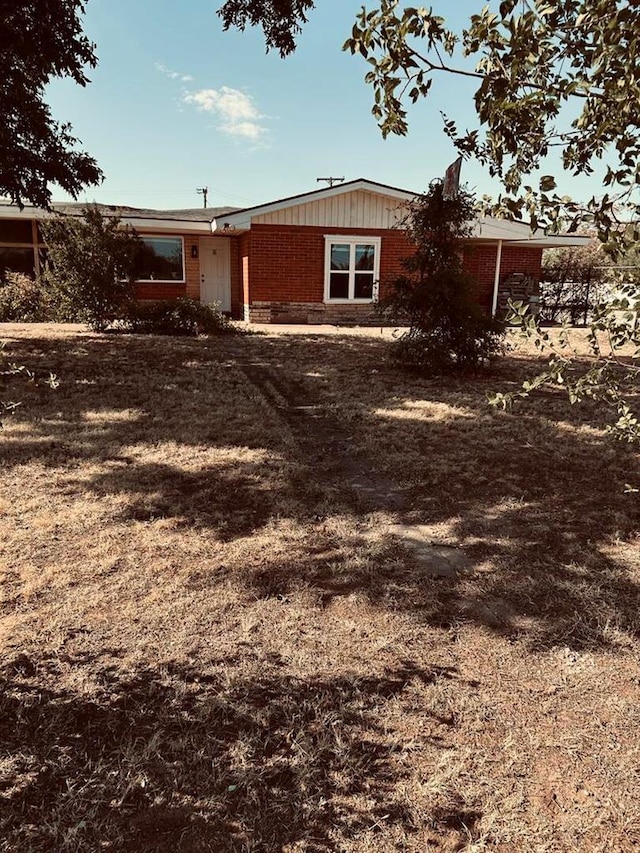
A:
(320, 257)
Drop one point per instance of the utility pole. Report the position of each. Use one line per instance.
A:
(330, 181)
(204, 192)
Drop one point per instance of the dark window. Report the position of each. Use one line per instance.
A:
(161, 259)
(17, 260)
(339, 285)
(15, 231)
(363, 288)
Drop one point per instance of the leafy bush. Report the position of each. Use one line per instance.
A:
(448, 331)
(181, 316)
(23, 300)
(91, 266)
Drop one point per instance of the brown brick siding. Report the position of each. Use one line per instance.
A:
(522, 259)
(236, 277)
(192, 267)
(277, 273)
(480, 263)
(287, 263)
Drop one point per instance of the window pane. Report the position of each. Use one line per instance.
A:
(363, 285)
(339, 285)
(364, 257)
(340, 256)
(161, 259)
(15, 231)
(17, 260)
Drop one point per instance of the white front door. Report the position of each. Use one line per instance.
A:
(215, 272)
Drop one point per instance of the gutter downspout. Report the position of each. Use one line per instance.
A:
(496, 280)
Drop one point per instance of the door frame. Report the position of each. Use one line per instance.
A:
(225, 304)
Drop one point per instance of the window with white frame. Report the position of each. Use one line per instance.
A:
(162, 259)
(352, 268)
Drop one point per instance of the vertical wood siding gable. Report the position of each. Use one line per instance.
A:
(352, 210)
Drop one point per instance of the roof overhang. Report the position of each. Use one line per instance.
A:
(555, 241)
(184, 226)
(491, 230)
(145, 223)
(487, 230)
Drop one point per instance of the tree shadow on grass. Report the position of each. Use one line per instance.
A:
(535, 500)
(183, 760)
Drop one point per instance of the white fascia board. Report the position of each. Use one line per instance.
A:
(242, 219)
(519, 234)
(492, 229)
(177, 226)
(235, 226)
(554, 241)
(10, 211)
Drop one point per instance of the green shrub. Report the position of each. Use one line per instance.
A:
(181, 316)
(91, 266)
(435, 298)
(23, 300)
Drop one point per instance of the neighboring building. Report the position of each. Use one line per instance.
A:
(320, 257)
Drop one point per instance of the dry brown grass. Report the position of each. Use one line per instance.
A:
(208, 642)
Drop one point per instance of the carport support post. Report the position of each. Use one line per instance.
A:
(496, 280)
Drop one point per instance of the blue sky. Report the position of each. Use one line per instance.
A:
(176, 104)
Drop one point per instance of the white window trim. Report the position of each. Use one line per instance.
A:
(183, 280)
(352, 240)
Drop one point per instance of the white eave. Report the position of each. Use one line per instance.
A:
(491, 230)
(144, 223)
(182, 226)
(554, 241)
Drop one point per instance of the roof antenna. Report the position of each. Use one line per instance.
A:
(330, 181)
(204, 192)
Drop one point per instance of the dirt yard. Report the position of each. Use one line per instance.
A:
(210, 639)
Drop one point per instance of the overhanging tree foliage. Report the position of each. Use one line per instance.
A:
(40, 40)
(281, 20)
(547, 74)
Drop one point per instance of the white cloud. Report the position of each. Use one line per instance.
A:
(236, 111)
(173, 75)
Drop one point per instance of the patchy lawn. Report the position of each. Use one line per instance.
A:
(210, 641)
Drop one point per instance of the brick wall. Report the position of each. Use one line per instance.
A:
(236, 278)
(282, 272)
(522, 259)
(192, 267)
(480, 262)
(287, 272)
